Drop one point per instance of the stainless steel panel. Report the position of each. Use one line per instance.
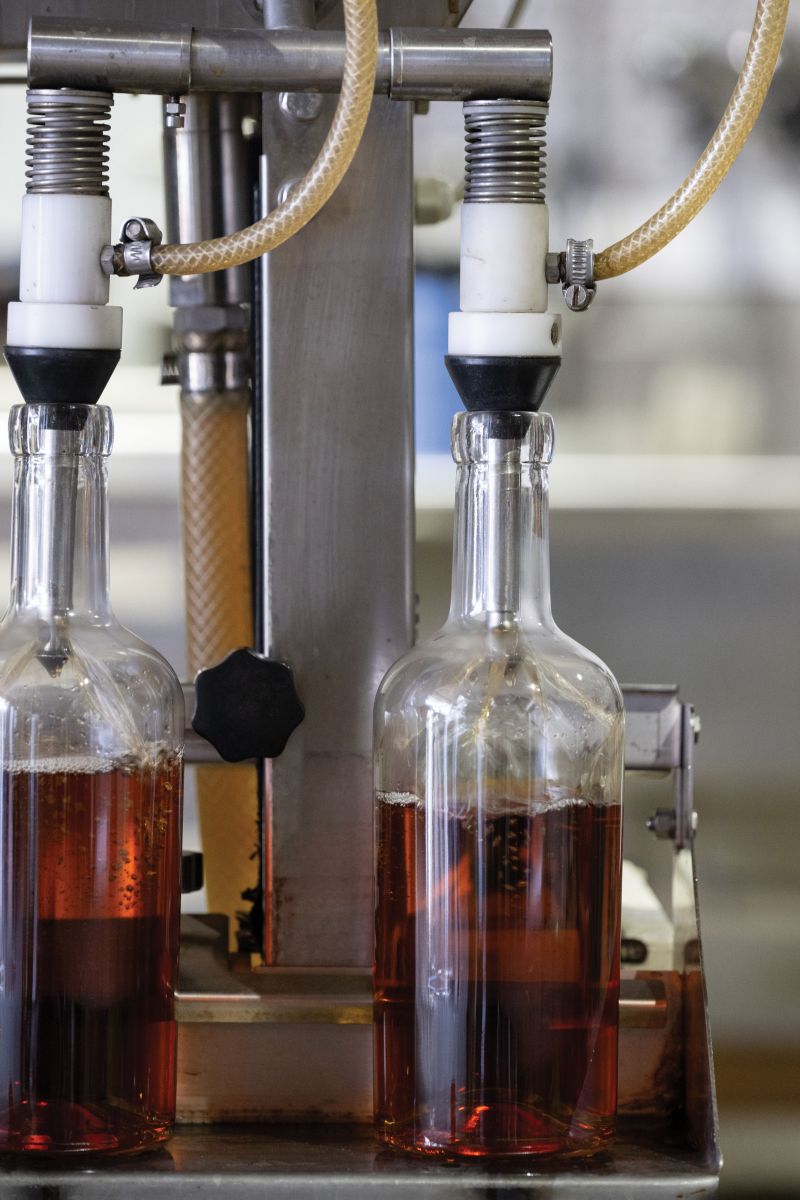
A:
(337, 509)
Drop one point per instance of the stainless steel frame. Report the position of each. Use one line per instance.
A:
(445, 64)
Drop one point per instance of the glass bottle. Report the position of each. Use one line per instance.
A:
(91, 738)
(498, 769)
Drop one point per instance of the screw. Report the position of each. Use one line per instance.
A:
(577, 297)
(174, 112)
(301, 106)
(133, 230)
(555, 333)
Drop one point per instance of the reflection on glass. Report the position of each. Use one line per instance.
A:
(91, 735)
(499, 749)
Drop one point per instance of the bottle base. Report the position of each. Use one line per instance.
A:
(64, 1131)
(551, 1140)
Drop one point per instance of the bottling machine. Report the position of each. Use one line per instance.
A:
(295, 379)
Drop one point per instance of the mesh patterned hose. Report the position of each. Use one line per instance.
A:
(719, 155)
(325, 175)
(216, 543)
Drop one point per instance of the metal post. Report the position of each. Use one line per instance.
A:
(209, 178)
(338, 510)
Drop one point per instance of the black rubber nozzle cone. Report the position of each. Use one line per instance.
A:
(502, 383)
(54, 376)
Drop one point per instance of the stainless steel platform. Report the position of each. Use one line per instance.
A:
(314, 1162)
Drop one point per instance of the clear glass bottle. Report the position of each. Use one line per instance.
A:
(498, 770)
(91, 738)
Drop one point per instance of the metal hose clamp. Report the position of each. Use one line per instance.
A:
(132, 255)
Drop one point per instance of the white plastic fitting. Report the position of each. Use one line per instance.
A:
(502, 246)
(495, 334)
(503, 285)
(63, 289)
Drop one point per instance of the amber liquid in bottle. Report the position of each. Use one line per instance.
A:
(87, 1001)
(497, 976)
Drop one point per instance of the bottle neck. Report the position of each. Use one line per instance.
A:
(60, 530)
(501, 558)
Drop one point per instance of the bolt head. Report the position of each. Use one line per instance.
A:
(286, 188)
(662, 823)
(301, 106)
(107, 260)
(552, 267)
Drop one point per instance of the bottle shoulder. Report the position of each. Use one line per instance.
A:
(85, 688)
(464, 658)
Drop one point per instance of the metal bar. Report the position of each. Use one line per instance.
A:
(338, 517)
(205, 1007)
(313, 1162)
(654, 736)
(208, 172)
(684, 781)
(413, 64)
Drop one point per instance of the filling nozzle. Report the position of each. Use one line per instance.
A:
(63, 336)
(504, 348)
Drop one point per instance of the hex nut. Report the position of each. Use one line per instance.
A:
(174, 112)
(107, 260)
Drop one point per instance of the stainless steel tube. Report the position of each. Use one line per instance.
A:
(206, 172)
(289, 14)
(452, 64)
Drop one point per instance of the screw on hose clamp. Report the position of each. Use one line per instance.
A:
(132, 255)
(574, 270)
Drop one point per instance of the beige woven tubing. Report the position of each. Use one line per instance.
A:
(719, 155)
(216, 546)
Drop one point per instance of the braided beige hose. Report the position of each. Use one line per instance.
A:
(719, 155)
(322, 180)
(219, 618)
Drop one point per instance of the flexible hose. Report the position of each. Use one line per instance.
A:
(216, 547)
(325, 175)
(719, 155)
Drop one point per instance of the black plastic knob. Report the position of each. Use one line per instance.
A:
(247, 706)
(191, 872)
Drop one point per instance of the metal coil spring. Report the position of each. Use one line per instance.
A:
(68, 136)
(505, 144)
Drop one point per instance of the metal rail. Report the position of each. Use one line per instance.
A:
(413, 64)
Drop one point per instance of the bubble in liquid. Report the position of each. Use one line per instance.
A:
(501, 804)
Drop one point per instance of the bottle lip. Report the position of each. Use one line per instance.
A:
(492, 437)
(53, 429)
